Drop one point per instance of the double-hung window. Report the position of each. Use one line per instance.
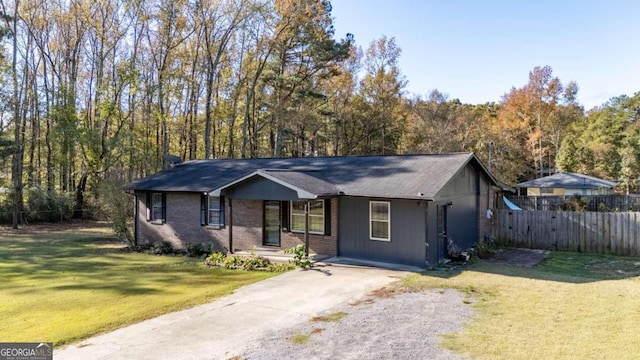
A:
(316, 216)
(380, 220)
(156, 207)
(215, 213)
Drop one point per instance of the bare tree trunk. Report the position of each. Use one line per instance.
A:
(78, 212)
(18, 153)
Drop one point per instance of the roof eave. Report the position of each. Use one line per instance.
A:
(483, 169)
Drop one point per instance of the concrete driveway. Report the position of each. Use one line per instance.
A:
(224, 328)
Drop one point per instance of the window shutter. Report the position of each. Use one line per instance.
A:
(164, 207)
(203, 209)
(148, 203)
(285, 207)
(327, 217)
(222, 208)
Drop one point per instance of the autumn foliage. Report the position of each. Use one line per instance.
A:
(93, 88)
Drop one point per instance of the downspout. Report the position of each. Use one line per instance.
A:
(135, 217)
(306, 228)
(230, 225)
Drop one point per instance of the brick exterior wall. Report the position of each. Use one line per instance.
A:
(319, 244)
(182, 226)
(247, 224)
(182, 223)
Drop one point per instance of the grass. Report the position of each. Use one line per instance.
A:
(65, 285)
(300, 339)
(334, 317)
(572, 306)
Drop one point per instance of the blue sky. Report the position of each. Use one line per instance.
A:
(477, 50)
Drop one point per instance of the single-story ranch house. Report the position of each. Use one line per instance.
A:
(400, 209)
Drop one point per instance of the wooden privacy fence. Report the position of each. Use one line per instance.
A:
(592, 232)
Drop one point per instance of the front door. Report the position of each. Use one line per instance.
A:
(271, 223)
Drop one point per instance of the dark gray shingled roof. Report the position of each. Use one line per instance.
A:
(394, 176)
(305, 181)
(568, 181)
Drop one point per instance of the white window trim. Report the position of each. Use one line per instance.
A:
(220, 211)
(371, 237)
(299, 231)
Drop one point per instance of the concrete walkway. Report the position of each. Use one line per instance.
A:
(224, 328)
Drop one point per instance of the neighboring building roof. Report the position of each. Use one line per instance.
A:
(568, 181)
(393, 176)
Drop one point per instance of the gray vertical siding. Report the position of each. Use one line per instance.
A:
(462, 217)
(412, 222)
(407, 245)
(260, 189)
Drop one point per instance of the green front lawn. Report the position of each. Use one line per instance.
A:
(573, 306)
(66, 285)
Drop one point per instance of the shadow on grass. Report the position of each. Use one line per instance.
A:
(569, 267)
(61, 261)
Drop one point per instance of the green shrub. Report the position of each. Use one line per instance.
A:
(197, 250)
(255, 263)
(300, 258)
(483, 250)
(40, 206)
(280, 267)
(114, 205)
(232, 262)
(47, 206)
(215, 259)
(6, 211)
(249, 263)
(141, 248)
(162, 248)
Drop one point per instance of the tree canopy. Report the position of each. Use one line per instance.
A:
(96, 89)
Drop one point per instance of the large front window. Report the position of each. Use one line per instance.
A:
(316, 216)
(380, 220)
